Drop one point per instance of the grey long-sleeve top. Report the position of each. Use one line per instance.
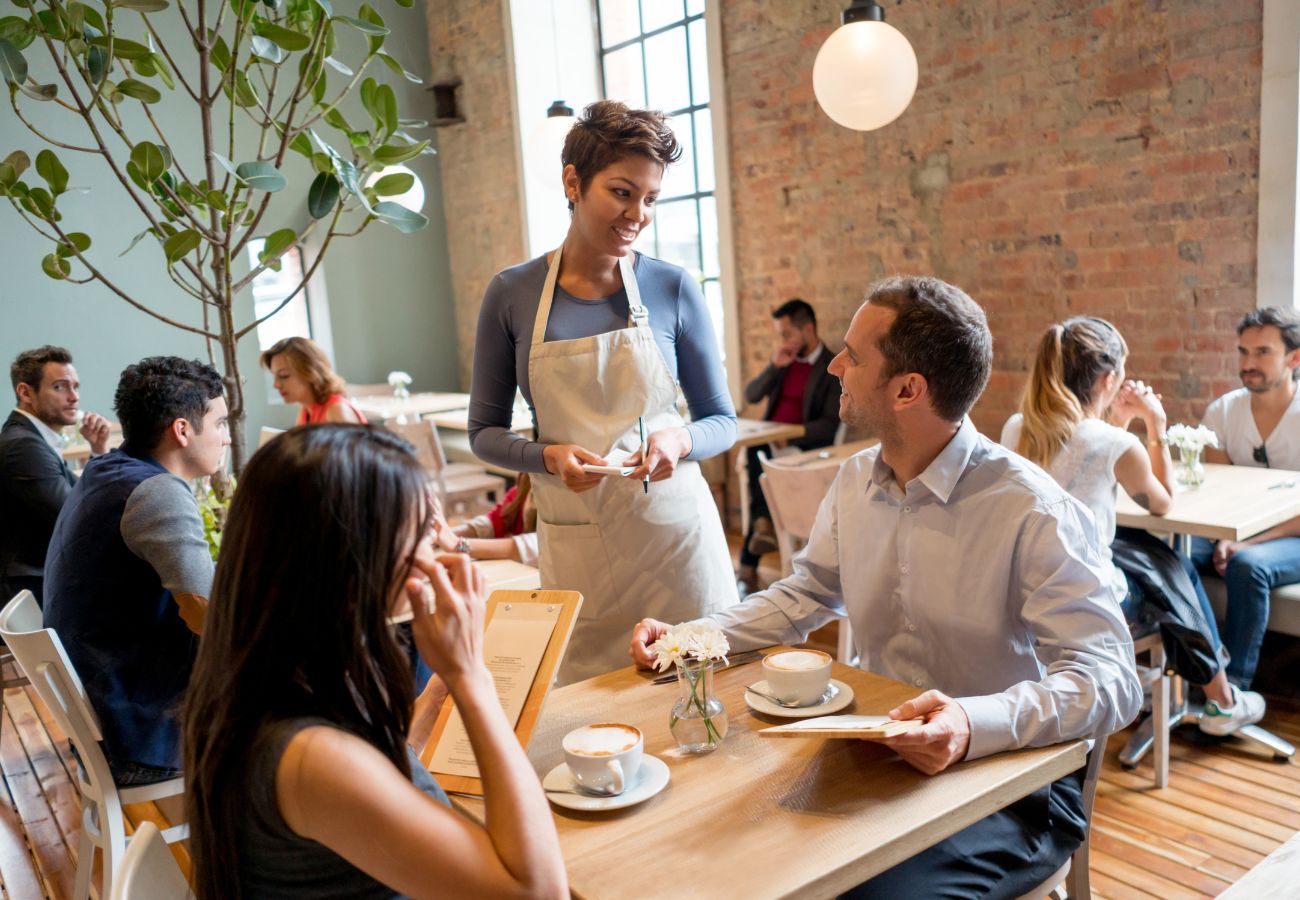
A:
(682, 330)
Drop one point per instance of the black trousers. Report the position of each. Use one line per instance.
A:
(757, 502)
(1004, 855)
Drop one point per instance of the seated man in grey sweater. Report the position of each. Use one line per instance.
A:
(128, 570)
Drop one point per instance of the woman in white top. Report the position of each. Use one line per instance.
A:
(1078, 375)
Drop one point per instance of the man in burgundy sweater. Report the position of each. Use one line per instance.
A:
(800, 391)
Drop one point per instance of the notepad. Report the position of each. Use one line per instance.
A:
(865, 727)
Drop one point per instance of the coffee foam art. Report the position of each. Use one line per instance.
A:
(797, 660)
(601, 740)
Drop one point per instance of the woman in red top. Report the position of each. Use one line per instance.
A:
(302, 374)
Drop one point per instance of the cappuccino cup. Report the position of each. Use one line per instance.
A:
(797, 676)
(604, 758)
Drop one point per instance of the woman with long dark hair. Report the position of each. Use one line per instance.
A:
(1078, 380)
(300, 717)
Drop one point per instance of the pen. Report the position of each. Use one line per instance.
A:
(645, 481)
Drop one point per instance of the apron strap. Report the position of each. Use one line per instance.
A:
(548, 294)
(638, 316)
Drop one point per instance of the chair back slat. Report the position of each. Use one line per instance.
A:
(149, 871)
(795, 494)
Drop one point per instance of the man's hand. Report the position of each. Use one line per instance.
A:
(1223, 551)
(782, 356)
(94, 428)
(644, 634)
(941, 741)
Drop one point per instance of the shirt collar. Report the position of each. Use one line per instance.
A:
(817, 351)
(56, 441)
(944, 471)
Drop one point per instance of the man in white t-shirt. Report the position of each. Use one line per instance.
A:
(1257, 425)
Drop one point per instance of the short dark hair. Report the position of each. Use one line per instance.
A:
(940, 333)
(798, 311)
(1283, 318)
(29, 366)
(608, 131)
(157, 391)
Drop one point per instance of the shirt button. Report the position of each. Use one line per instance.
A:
(903, 569)
(907, 509)
(911, 626)
(918, 682)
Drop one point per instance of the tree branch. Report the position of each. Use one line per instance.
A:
(13, 101)
(180, 76)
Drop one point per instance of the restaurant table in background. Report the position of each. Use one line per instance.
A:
(750, 433)
(383, 408)
(77, 451)
(834, 455)
(1233, 503)
(458, 419)
(760, 817)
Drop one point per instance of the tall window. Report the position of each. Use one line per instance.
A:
(269, 290)
(653, 54)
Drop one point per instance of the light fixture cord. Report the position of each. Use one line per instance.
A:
(555, 53)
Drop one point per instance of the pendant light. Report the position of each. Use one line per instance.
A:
(865, 74)
(546, 142)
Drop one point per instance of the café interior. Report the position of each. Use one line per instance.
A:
(703, 395)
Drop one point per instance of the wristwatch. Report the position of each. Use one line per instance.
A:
(462, 546)
(1161, 440)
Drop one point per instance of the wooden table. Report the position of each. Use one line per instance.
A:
(1234, 503)
(761, 817)
(458, 419)
(78, 452)
(383, 408)
(834, 455)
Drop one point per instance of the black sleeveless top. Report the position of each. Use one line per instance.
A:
(276, 862)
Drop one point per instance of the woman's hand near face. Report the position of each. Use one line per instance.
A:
(663, 450)
(450, 635)
(566, 461)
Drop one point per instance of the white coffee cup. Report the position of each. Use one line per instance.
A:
(797, 676)
(604, 758)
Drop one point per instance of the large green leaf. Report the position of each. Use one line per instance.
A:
(56, 267)
(145, 93)
(283, 37)
(323, 195)
(325, 5)
(18, 31)
(225, 164)
(141, 6)
(397, 68)
(13, 66)
(49, 168)
(179, 244)
(367, 14)
(338, 66)
(7, 177)
(392, 154)
(150, 159)
(361, 25)
(386, 107)
(135, 240)
(301, 144)
(261, 176)
(77, 242)
(122, 48)
(404, 220)
(277, 242)
(43, 92)
(265, 48)
(19, 160)
(97, 62)
(396, 183)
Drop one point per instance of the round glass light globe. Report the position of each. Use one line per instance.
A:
(545, 143)
(865, 75)
(413, 199)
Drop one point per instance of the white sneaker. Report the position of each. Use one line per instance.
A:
(1247, 710)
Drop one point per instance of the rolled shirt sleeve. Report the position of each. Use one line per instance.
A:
(161, 524)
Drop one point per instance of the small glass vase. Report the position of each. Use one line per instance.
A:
(401, 391)
(698, 720)
(1191, 473)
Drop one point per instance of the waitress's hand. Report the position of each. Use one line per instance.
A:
(450, 634)
(566, 460)
(663, 450)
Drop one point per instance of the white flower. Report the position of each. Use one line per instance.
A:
(709, 644)
(399, 379)
(1191, 438)
(690, 641)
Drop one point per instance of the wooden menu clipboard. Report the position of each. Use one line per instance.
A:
(570, 602)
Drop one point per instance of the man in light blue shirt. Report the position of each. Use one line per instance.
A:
(965, 571)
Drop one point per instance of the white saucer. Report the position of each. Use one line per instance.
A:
(652, 779)
(842, 697)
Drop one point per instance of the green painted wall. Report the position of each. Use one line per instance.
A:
(389, 293)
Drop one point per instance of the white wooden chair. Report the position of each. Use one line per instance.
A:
(457, 483)
(1073, 875)
(794, 494)
(267, 434)
(149, 871)
(40, 654)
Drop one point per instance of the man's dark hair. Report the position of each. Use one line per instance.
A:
(799, 312)
(1283, 318)
(29, 366)
(940, 333)
(157, 391)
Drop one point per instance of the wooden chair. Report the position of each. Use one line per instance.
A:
(1073, 875)
(794, 494)
(148, 870)
(40, 653)
(457, 483)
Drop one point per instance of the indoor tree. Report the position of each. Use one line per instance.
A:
(263, 78)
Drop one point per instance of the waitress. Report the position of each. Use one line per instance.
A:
(597, 337)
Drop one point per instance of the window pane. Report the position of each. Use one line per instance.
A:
(679, 235)
(658, 13)
(694, 7)
(713, 300)
(699, 63)
(618, 21)
(704, 161)
(665, 58)
(624, 79)
(679, 178)
(269, 290)
(709, 236)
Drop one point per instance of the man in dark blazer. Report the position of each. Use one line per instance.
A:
(800, 391)
(34, 479)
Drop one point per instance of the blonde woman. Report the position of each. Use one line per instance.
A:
(1078, 375)
(302, 374)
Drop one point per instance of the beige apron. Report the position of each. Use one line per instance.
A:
(631, 554)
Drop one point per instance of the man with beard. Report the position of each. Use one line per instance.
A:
(800, 391)
(34, 479)
(1258, 425)
(965, 571)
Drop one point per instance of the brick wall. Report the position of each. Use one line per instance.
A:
(1060, 157)
(480, 171)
